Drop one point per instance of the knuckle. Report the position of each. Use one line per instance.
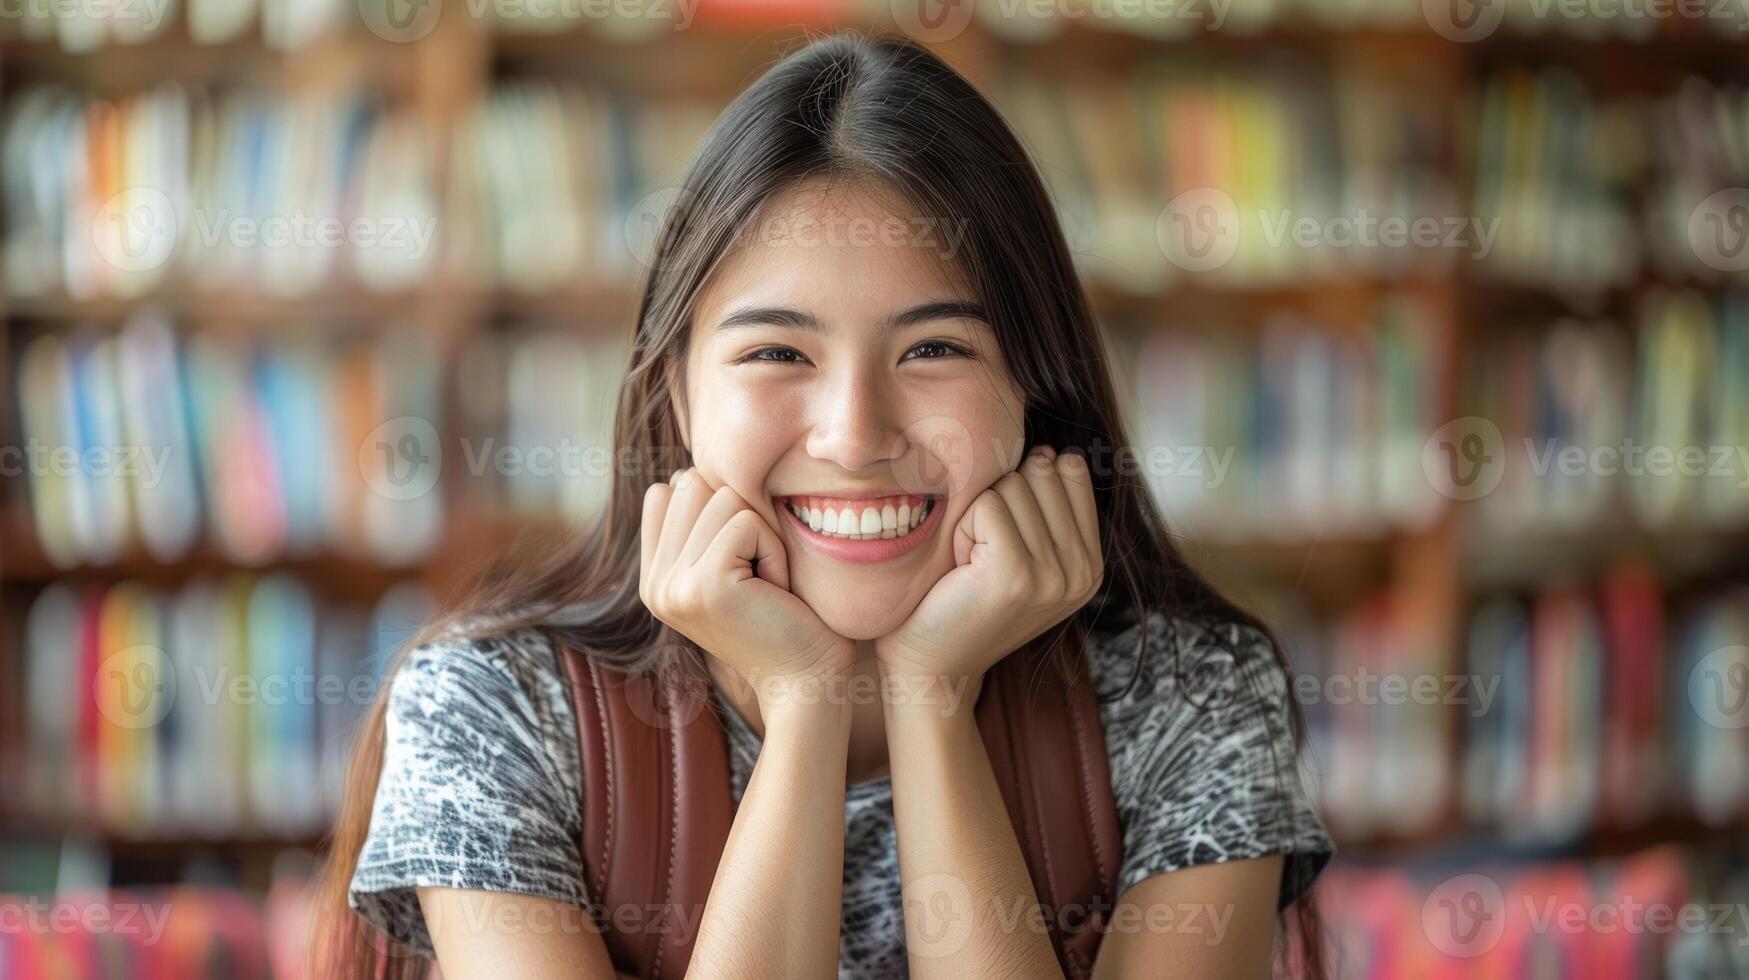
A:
(1053, 583)
(685, 599)
(1071, 468)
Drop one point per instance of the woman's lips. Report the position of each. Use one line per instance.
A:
(869, 549)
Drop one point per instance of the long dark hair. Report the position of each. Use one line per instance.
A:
(889, 111)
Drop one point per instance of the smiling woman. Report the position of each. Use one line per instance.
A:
(869, 381)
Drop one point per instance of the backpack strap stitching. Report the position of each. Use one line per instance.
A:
(668, 739)
(1044, 836)
(1001, 696)
(1079, 961)
(1087, 801)
(595, 682)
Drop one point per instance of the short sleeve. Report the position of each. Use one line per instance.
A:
(1203, 760)
(480, 783)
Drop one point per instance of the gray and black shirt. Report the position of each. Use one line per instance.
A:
(481, 782)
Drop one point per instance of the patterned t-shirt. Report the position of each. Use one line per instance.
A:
(481, 781)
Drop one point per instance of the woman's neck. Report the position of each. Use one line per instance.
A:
(868, 728)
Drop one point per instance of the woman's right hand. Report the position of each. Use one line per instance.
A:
(715, 571)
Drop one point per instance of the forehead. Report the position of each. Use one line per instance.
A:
(850, 253)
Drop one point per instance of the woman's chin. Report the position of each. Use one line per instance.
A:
(852, 623)
(862, 606)
(860, 627)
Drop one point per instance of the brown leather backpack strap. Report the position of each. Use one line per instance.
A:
(657, 807)
(1047, 747)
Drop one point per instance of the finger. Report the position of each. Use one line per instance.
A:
(986, 524)
(1024, 509)
(1078, 483)
(744, 541)
(690, 494)
(650, 534)
(722, 505)
(1053, 503)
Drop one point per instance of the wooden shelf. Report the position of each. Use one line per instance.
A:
(470, 540)
(1468, 845)
(604, 302)
(1677, 555)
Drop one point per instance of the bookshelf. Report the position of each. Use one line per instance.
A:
(1405, 103)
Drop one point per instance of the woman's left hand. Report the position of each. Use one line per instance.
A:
(1026, 556)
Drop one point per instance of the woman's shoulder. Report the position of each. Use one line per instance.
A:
(480, 787)
(469, 655)
(1184, 663)
(486, 687)
(1204, 758)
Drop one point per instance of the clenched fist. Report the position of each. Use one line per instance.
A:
(715, 571)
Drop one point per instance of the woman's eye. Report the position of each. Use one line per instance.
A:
(940, 348)
(774, 355)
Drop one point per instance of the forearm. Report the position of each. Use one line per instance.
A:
(970, 908)
(775, 902)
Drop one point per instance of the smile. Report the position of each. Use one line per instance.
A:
(870, 530)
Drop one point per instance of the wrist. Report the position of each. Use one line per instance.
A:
(800, 700)
(807, 728)
(929, 697)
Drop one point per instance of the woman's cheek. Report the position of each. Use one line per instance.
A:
(960, 451)
(742, 439)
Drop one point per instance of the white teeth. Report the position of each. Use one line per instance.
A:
(887, 522)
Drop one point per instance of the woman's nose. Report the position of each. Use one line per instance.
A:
(853, 423)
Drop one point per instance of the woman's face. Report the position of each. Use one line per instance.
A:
(836, 364)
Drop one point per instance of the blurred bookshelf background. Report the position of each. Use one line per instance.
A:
(1434, 319)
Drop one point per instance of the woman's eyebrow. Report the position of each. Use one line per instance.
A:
(778, 316)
